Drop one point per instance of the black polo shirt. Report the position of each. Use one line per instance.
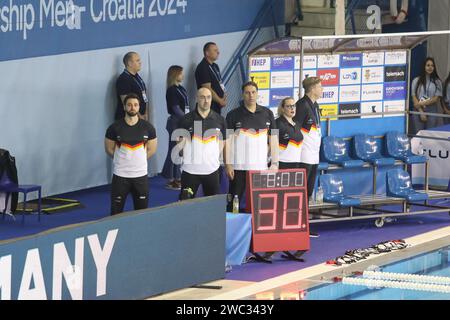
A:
(177, 100)
(126, 84)
(130, 155)
(201, 153)
(252, 131)
(210, 73)
(307, 115)
(290, 139)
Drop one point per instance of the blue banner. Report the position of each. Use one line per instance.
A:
(282, 63)
(351, 60)
(129, 256)
(395, 91)
(47, 27)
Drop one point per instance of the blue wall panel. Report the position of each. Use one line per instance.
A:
(97, 24)
(155, 251)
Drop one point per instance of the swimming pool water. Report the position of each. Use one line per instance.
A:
(434, 263)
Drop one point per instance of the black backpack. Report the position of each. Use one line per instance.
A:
(8, 167)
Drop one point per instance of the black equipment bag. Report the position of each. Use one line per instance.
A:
(8, 167)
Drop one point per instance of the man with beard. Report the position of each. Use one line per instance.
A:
(130, 141)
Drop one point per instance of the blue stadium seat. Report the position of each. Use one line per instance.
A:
(7, 186)
(335, 151)
(367, 149)
(323, 166)
(398, 147)
(399, 185)
(333, 191)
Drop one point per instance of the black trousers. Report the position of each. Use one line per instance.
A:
(120, 189)
(210, 182)
(289, 165)
(311, 172)
(237, 187)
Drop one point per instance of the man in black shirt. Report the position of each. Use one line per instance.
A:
(131, 82)
(208, 75)
(202, 146)
(130, 141)
(308, 116)
(254, 135)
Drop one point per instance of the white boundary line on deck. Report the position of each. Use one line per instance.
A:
(319, 269)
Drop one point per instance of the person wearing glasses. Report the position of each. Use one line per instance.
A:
(290, 135)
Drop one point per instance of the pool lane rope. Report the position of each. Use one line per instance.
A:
(375, 283)
(408, 277)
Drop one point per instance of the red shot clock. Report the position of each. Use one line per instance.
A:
(278, 201)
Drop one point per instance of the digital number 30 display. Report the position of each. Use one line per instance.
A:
(279, 207)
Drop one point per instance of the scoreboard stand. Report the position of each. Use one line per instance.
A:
(296, 256)
(278, 202)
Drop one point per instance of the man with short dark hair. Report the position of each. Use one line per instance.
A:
(130, 141)
(207, 75)
(131, 82)
(254, 134)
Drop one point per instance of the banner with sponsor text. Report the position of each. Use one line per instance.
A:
(367, 82)
(277, 78)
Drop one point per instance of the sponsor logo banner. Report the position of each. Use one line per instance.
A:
(350, 76)
(328, 110)
(395, 91)
(373, 58)
(276, 95)
(309, 73)
(393, 106)
(329, 95)
(349, 93)
(372, 92)
(349, 108)
(309, 62)
(282, 79)
(330, 77)
(282, 63)
(260, 64)
(351, 60)
(263, 97)
(374, 108)
(372, 74)
(262, 79)
(397, 73)
(395, 57)
(328, 61)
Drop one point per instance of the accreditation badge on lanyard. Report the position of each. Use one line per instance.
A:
(218, 77)
(144, 96)
(141, 84)
(183, 94)
(142, 87)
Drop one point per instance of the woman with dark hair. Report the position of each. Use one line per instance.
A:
(426, 91)
(177, 105)
(446, 99)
